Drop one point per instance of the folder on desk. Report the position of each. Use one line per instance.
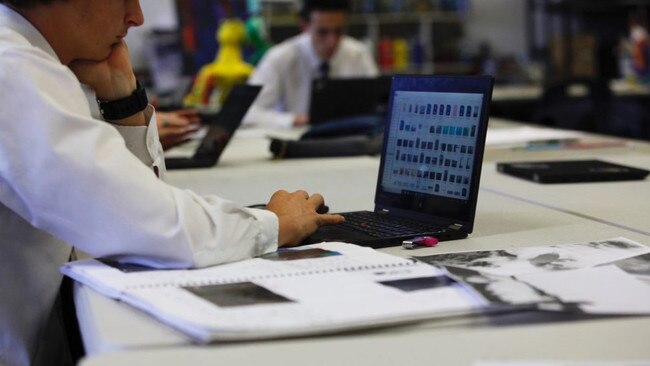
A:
(571, 171)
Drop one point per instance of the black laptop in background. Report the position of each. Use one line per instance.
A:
(333, 99)
(430, 164)
(571, 171)
(221, 127)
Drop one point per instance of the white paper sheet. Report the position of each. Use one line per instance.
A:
(521, 135)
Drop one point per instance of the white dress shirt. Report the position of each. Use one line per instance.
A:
(67, 179)
(287, 70)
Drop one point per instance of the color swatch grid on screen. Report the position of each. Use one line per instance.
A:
(432, 142)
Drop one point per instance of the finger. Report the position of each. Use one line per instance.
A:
(189, 115)
(316, 200)
(302, 193)
(192, 128)
(187, 112)
(174, 121)
(330, 219)
(173, 131)
(279, 193)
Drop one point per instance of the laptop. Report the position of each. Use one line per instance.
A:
(430, 164)
(571, 171)
(332, 99)
(221, 127)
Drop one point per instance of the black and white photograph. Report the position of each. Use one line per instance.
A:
(500, 290)
(638, 266)
(419, 283)
(291, 254)
(237, 294)
(508, 262)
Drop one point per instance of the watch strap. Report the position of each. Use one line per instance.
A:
(125, 107)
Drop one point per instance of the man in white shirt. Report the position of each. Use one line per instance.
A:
(287, 70)
(67, 179)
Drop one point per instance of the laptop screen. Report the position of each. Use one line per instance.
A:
(333, 99)
(433, 147)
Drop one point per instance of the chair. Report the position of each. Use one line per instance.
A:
(577, 104)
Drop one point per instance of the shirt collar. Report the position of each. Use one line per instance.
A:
(307, 48)
(9, 18)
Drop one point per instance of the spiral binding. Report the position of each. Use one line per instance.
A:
(215, 281)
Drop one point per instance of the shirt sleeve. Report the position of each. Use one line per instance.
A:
(368, 65)
(359, 59)
(75, 178)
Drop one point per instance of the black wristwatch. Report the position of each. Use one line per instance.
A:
(125, 107)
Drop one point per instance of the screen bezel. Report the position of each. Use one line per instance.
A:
(438, 210)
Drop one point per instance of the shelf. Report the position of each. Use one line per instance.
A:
(382, 18)
(398, 18)
(438, 67)
(593, 6)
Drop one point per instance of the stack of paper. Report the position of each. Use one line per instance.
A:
(590, 277)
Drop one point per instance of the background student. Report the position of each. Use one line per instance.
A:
(287, 70)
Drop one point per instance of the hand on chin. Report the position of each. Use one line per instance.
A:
(112, 77)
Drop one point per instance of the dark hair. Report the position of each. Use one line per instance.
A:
(309, 6)
(25, 3)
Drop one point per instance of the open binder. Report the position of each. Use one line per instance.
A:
(321, 288)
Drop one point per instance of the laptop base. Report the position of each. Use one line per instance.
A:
(336, 233)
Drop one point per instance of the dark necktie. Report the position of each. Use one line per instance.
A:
(324, 70)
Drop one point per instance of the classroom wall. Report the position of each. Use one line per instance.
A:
(157, 14)
(500, 22)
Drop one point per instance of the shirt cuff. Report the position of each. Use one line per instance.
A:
(267, 239)
(143, 141)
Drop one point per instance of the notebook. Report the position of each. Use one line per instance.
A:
(430, 163)
(289, 293)
(221, 127)
(332, 99)
(571, 171)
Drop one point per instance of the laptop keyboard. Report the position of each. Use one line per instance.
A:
(379, 225)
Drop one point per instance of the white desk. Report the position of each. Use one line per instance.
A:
(118, 334)
(502, 222)
(621, 204)
(423, 344)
